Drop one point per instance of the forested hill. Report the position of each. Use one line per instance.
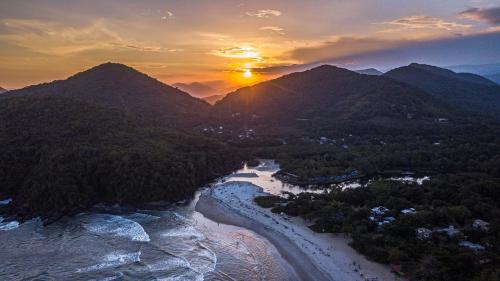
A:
(467, 91)
(329, 96)
(60, 155)
(119, 86)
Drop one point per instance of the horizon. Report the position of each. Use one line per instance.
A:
(240, 43)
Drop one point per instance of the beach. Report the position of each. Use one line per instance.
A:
(314, 256)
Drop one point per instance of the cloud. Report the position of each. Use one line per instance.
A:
(167, 15)
(491, 15)
(428, 22)
(372, 52)
(275, 29)
(57, 39)
(344, 46)
(267, 13)
(237, 52)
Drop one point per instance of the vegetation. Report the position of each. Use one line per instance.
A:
(468, 91)
(60, 156)
(445, 200)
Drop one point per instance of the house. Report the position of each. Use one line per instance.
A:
(379, 211)
(472, 246)
(423, 233)
(480, 225)
(450, 231)
(409, 211)
(389, 219)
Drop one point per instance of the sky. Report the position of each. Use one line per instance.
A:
(237, 42)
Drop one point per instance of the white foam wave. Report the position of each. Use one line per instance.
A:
(205, 261)
(113, 260)
(118, 226)
(8, 225)
(170, 264)
(187, 231)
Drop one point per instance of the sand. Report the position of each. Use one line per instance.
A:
(313, 256)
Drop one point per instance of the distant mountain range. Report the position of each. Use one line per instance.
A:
(213, 99)
(196, 89)
(468, 91)
(369, 71)
(490, 71)
(119, 86)
(2, 90)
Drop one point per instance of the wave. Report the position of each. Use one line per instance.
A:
(113, 260)
(117, 226)
(186, 231)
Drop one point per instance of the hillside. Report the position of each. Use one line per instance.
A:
(2, 90)
(61, 155)
(119, 86)
(329, 97)
(465, 90)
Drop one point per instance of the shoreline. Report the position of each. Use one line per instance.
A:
(314, 256)
(216, 211)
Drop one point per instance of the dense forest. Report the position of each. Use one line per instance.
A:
(60, 155)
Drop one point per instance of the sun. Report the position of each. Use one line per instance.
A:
(247, 73)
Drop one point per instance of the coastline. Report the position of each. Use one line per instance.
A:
(314, 256)
(214, 210)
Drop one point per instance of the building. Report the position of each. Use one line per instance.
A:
(472, 246)
(423, 233)
(409, 211)
(480, 225)
(379, 211)
(450, 231)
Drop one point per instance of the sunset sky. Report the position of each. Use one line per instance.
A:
(239, 42)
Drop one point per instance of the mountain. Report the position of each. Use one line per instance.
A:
(494, 77)
(60, 156)
(213, 99)
(480, 69)
(328, 97)
(196, 89)
(2, 90)
(369, 71)
(465, 90)
(489, 71)
(119, 86)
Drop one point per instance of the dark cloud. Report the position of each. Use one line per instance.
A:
(491, 15)
(343, 47)
(387, 54)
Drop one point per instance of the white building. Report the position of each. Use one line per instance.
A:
(423, 233)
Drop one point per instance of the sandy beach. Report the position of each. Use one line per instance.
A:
(313, 256)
